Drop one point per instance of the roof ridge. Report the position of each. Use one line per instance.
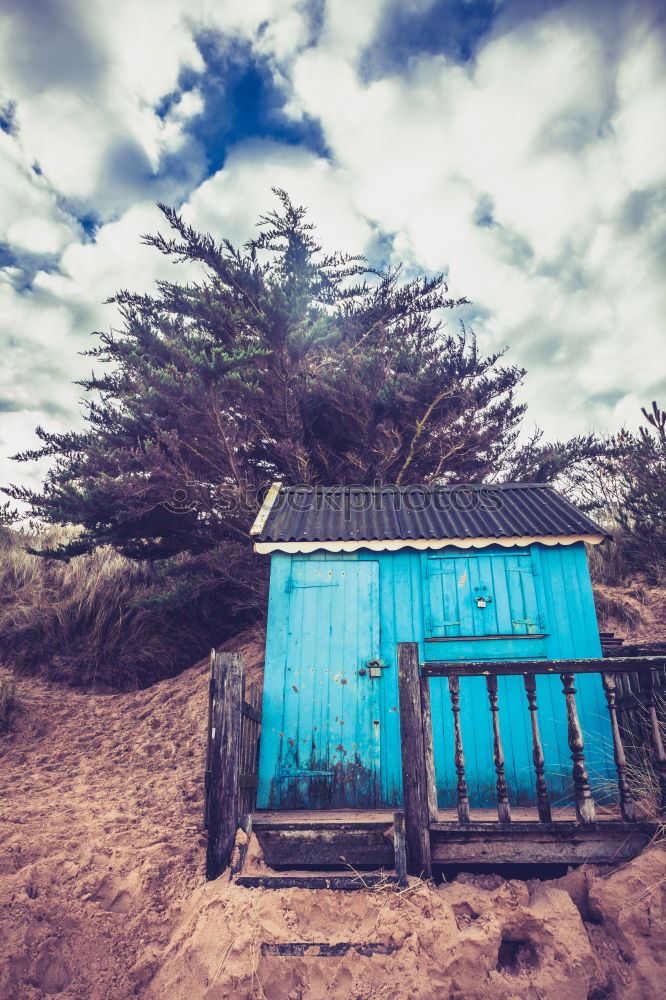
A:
(417, 486)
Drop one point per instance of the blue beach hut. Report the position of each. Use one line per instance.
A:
(469, 572)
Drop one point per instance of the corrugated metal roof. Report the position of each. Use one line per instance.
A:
(410, 513)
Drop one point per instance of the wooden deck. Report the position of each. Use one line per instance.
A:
(333, 845)
(364, 838)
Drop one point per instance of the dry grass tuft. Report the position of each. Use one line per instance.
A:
(8, 704)
(629, 603)
(99, 620)
(642, 768)
(618, 610)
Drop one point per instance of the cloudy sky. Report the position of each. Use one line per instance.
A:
(516, 145)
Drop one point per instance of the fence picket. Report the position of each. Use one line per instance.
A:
(585, 810)
(503, 807)
(232, 757)
(626, 800)
(657, 742)
(459, 753)
(543, 803)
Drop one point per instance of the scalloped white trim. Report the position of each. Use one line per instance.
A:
(392, 544)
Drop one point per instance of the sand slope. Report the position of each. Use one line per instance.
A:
(99, 834)
(102, 895)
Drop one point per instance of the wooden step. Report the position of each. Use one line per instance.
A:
(319, 880)
(324, 949)
(320, 841)
(313, 840)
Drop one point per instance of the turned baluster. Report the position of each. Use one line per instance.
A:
(543, 804)
(657, 741)
(459, 755)
(503, 807)
(626, 799)
(584, 802)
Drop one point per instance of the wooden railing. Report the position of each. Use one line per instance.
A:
(420, 797)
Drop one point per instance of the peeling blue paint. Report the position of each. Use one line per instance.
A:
(331, 734)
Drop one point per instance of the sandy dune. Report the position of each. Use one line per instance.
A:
(102, 895)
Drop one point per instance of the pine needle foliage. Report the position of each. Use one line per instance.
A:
(642, 514)
(281, 362)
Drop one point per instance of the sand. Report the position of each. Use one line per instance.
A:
(103, 897)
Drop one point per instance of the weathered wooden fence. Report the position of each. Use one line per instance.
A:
(232, 757)
(637, 695)
(635, 692)
(417, 745)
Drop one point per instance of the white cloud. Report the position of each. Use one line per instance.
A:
(30, 218)
(89, 273)
(550, 138)
(78, 122)
(46, 327)
(229, 204)
(529, 131)
(641, 85)
(39, 363)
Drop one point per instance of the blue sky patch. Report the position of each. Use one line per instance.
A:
(8, 121)
(7, 256)
(241, 101)
(89, 224)
(453, 28)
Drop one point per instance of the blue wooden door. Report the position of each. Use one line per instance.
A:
(329, 743)
(483, 607)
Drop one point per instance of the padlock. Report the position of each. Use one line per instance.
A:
(375, 668)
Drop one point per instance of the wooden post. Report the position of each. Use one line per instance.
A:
(459, 753)
(626, 800)
(429, 749)
(543, 804)
(657, 741)
(584, 802)
(414, 777)
(225, 750)
(209, 741)
(503, 807)
(399, 850)
(244, 824)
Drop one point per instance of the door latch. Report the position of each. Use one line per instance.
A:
(481, 602)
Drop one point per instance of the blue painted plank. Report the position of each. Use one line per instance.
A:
(273, 693)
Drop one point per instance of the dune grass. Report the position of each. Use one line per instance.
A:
(8, 704)
(99, 620)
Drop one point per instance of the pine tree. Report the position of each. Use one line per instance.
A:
(282, 362)
(642, 514)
